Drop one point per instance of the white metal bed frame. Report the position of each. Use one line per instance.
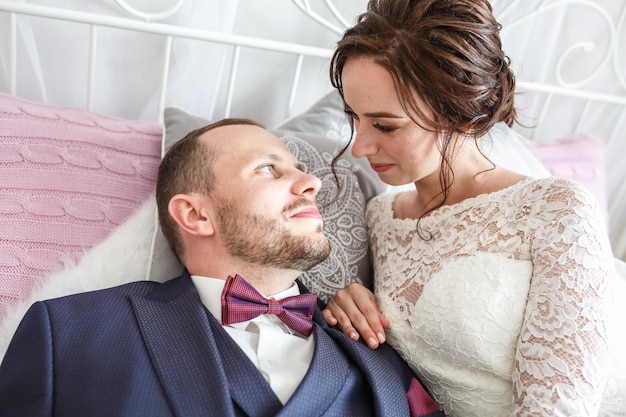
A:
(580, 89)
(148, 23)
(546, 90)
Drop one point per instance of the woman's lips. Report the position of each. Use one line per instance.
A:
(380, 168)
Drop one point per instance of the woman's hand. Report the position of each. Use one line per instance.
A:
(355, 310)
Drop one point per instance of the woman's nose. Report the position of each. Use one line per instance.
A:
(363, 145)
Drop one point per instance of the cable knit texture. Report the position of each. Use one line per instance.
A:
(68, 177)
(506, 310)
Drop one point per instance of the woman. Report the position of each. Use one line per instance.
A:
(496, 285)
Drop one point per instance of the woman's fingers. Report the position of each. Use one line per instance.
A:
(355, 310)
(335, 315)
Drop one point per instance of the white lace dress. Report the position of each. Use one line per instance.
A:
(505, 311)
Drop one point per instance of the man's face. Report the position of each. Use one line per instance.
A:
(264, 203)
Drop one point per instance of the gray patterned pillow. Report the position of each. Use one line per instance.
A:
(343, 209)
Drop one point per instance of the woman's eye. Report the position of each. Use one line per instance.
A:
(383, 128)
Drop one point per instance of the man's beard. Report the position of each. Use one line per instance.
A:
(265, 241)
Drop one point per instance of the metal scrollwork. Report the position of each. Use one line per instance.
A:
(571, 53)
(305, 7)
(150, 17)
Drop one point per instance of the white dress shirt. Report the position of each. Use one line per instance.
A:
(281, 354)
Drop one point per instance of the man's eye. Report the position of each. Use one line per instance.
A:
(383, 128)
(267, 168)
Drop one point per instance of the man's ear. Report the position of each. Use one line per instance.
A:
(191, 214)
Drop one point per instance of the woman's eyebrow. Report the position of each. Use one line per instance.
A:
(383, 114)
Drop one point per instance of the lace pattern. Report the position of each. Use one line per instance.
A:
(505, 310)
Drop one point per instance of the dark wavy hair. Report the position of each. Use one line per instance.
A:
(449, 53)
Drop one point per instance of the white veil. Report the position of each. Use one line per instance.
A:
(507, 148)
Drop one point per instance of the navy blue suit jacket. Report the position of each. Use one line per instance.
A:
(150, 349)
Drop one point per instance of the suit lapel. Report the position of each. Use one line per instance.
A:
(248, 388)
(176, 331)
(328, 369)
(379, 373)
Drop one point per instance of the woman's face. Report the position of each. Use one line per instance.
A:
(398, 150)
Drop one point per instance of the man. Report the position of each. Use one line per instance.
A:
(241, 216)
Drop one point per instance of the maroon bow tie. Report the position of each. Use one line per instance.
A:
(241, 302)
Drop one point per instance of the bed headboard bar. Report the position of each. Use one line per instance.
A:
(170, 32)
(160, 28)
(543, 81)
(568, 92)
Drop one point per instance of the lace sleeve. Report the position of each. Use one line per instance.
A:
(563, 352)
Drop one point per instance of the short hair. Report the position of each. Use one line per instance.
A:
(187, 168)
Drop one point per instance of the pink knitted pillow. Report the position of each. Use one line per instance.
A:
(580, 158)
(68, 177)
